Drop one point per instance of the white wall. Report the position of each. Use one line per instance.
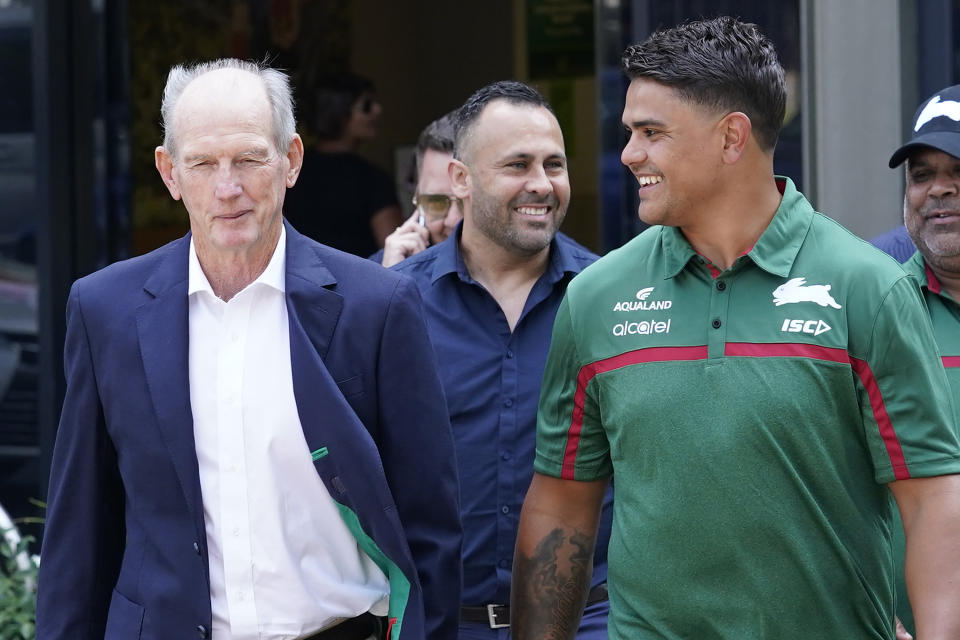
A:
(853, 110)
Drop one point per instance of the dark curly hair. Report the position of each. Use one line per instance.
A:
(722, 64)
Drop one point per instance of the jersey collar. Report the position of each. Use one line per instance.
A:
(917, 267)
(777, 247)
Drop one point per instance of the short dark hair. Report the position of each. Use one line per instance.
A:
(333, 101)
(509, 90)
(721, 64)
(437, 136)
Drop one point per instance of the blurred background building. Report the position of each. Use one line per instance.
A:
(80, 84)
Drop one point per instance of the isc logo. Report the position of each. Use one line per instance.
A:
(813, 327)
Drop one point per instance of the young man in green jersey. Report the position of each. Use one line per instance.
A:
(755, 431)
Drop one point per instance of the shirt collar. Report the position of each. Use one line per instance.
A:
(777, 247)
(273, 276)
(450, 260)
(917, 267)
(566, 256)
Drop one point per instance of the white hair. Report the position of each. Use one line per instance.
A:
(275, 82)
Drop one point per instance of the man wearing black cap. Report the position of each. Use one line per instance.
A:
(935, 124)
(931, 214)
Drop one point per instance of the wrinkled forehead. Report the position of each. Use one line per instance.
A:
(222, 97)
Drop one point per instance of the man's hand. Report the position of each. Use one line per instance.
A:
(553, 561)
(930, 510)
(902, 633)
(409, 239)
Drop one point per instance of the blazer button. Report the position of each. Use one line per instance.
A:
(196, 547)
(202, 631)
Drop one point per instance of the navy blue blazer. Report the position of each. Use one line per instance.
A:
(124, 551)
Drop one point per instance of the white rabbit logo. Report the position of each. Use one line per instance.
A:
(935, 109)
(797, 290)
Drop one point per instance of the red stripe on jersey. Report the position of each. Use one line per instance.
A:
(785, 350)
(932, 282)
(951, 361)
(862, 369)
(586, 374)
(889, 435)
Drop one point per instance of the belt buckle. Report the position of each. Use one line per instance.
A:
(492, 617)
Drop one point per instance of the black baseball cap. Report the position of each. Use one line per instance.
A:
(935, 124)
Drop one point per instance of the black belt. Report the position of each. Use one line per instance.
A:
(359, 628)
(498, 615)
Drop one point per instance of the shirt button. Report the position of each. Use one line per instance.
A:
(509, 353)
(234, 337)
(508, 402)
(505, 509)
(721, 286)
(505, 455)
(196, 547)
(236, 531)
(504, 564)
(716, 323)
(202, 631)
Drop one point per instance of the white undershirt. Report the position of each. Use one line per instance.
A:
(282, 562)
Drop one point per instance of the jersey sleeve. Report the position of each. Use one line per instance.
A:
(905, 399)
(571, 442)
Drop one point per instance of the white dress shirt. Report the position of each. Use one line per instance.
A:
(282, 562)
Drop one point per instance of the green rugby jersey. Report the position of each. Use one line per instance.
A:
(749, 419)
(945, 316)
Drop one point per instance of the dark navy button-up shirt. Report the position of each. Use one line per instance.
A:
(491, 378)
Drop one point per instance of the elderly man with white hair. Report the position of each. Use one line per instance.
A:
(239, 455)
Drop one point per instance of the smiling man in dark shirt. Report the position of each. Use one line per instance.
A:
(491, 296)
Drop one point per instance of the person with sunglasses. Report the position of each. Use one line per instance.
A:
(343, 200)
(437, 211)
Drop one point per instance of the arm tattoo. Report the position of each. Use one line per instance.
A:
(550, 587)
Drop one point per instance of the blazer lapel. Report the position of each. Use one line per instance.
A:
(312, 301)
(313, 308)
(162, 326)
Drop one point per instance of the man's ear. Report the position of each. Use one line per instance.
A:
(164, 163)
(295, 158)
(459, 178)
(735, 130)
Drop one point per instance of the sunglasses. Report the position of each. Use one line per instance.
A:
(434, 205)
(366, 106)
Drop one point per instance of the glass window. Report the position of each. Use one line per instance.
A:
(623, 22)
(19, 439)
